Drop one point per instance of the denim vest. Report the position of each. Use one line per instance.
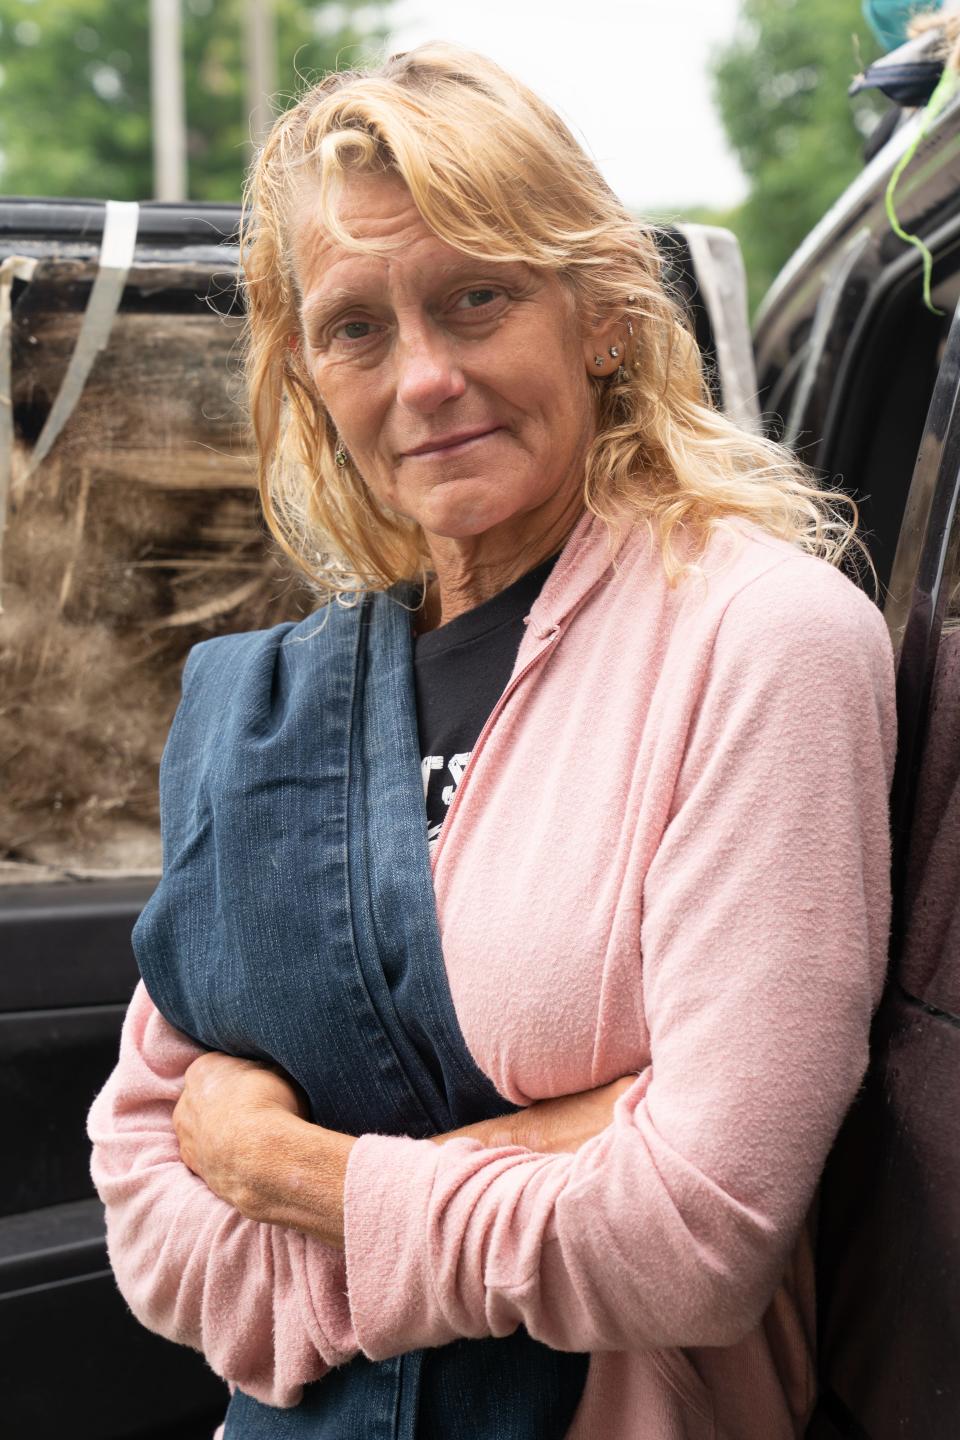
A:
(295, 922)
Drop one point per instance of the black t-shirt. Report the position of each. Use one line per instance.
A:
(460, 672)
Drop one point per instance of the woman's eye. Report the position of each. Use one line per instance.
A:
(354, 330)
(476, 299)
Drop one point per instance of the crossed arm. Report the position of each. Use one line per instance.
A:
(242, 1128)
(225, 1207)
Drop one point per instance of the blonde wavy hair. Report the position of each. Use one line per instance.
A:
(498, 176)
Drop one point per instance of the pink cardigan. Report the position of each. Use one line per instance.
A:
(668, 856)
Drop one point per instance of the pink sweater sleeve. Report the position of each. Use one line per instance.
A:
(765, 915)
(265, 1305)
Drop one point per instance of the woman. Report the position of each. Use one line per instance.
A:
(480, 416)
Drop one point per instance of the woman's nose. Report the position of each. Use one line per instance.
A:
(428, 371)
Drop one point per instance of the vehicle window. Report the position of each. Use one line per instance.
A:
(884, 406)
(136, 537)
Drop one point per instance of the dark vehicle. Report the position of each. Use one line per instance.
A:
(132, 532)
(866, 379)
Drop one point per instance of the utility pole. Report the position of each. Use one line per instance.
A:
(167, 101)
(261, 68)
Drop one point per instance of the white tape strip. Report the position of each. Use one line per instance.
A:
(116, 255)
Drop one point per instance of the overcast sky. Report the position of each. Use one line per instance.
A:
(629, 77)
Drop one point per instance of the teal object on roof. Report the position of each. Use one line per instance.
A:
(888, 19)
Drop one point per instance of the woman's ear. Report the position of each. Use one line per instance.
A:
(603, 350)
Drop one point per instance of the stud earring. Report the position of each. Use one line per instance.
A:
(340, 455)
(598, 360)
(614, 352)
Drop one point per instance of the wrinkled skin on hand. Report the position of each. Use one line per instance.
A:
(223, 1117)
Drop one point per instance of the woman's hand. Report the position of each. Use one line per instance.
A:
(220, 1114)
(551, 1126)
(242, 1128)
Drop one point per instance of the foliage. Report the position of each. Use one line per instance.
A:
(781, 89)
(75, 89)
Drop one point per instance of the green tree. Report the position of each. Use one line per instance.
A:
(781, 90)
(75, 89)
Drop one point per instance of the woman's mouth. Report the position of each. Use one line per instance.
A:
(452, 444)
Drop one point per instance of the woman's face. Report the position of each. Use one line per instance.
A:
(459, 387)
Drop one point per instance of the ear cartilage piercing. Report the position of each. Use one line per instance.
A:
(630, 328)
(614, 353)
(340, 455)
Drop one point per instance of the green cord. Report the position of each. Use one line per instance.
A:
(946, 89)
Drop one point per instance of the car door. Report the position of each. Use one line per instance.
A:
(72, 1359)
(889, 1216)
(120, 547)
